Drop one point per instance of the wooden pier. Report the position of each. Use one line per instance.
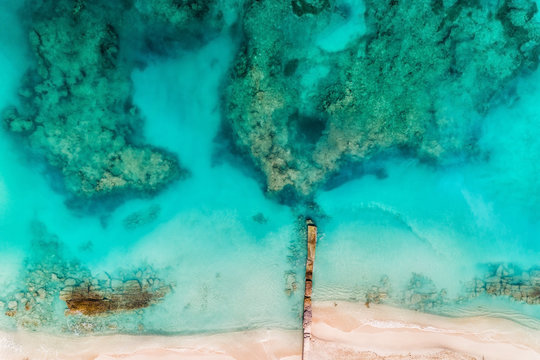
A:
(306, 324)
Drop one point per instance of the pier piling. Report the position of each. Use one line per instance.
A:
(306, 324)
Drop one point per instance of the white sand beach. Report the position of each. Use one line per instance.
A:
(351, 331)
(341, 330)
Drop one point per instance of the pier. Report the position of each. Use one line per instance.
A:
(306, 324)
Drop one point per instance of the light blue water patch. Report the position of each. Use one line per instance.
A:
(512, 141)
(13, 53)
(415, 219)
(226, 264)
(180, 99)
(444, 223)
(13, 64)
(347, 25)
(222, 245)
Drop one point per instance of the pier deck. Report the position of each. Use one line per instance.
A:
(306, 324)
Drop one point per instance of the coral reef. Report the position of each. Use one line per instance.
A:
(56, 286)
(76, 103)
(178, 13)
(501, 280)
(417, 82)
(421, 293)
(88, 298)
(263, 94)
(303, 7)
(376, 294)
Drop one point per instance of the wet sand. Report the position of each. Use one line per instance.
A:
(341, 330)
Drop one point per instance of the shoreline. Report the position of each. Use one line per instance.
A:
(341, 330)
(350, 330)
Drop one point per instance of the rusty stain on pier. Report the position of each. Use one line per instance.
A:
(306, 324)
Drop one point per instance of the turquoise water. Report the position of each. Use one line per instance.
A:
(230, 254)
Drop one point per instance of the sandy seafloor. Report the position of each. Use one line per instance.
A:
(230, 272)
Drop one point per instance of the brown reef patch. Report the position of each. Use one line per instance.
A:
(87, 299)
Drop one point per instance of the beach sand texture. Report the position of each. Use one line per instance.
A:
(341, 330)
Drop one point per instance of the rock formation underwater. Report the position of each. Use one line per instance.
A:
(417, 81)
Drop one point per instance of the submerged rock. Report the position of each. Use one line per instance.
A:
(127, 296)
(509, 281)
(291, 284)
(260, 218)
(53, 282)
(421, 293)
(12, 305)
(142, 217)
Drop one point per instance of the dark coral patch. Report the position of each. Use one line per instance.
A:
(303, 7)
(86, 299)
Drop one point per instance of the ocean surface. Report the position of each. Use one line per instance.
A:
(229, 254)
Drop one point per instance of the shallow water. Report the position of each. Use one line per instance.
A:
(232, 256)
